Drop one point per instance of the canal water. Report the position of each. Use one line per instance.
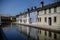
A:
(11, 33)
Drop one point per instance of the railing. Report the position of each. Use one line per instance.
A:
(35, 32)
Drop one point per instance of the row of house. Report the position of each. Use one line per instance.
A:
(46, 15)
(49, 15)
(27, 17)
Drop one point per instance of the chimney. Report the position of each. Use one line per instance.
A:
(35, 7)
(28, 9)
(31, 8)
(42, 3)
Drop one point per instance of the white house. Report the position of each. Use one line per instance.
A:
(28, 17)
(49, 17)
(49, 14)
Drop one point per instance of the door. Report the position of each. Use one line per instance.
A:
(50, 21)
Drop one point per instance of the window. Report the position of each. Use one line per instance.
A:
(25, 15)
(40, 31)
(40, 19)
(45, 39)
(20, 20)
(55, 36)
(54, 19)
(45, 19)
(54, 9)
(45, 11)
(24, 21)
(45, 33)
(49, 10)
(50, 34)
(37, 12)
(30, 20)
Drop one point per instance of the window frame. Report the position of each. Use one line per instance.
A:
(49, 10)
(45, 19)
(45, 11)
(55, 19)
(40, 19)
(55, 9)
(50, 34)
(55, 36)
(45, 33)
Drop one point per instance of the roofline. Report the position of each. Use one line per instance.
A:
(41, 8)
(56, 4)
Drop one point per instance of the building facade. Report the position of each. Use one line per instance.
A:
(23, 18)
(49, 17)
(28, 17)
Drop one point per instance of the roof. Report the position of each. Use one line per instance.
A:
(5, 15)
(49, 6)
(41, 8)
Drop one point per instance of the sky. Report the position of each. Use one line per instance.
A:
(14, 7)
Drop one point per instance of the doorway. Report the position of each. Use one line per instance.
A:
(49, 21)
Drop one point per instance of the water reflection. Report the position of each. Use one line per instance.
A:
(22, 32)
(38, 34)
(11, 33)
(30, 32)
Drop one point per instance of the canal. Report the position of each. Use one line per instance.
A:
(10, 32)
(26, 32)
